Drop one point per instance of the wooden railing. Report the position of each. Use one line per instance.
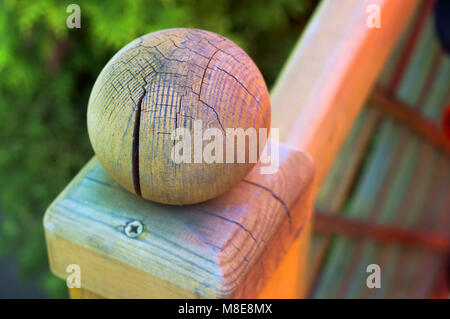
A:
(314, 103)
(324, 84)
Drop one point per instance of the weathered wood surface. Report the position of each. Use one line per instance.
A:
(227, 247)
(168, 80)
(327, 79)
(315, 101)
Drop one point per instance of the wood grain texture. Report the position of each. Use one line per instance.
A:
(289, 279)
(227, 247)
(165, 81)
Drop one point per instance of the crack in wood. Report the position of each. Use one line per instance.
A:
(135, 146)
(286, 208)
(228, 220)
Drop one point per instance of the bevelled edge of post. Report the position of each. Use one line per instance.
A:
(226, 247)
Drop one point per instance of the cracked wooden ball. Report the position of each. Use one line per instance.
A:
(163, 87)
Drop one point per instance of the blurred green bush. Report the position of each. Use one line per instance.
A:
(48, 70)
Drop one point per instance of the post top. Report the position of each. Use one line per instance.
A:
(203, 250)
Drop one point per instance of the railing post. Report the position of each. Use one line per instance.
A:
(186, 253)
(228, 247)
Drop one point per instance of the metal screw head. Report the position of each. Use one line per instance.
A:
(134, 228)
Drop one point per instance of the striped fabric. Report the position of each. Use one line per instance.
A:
(385, 173)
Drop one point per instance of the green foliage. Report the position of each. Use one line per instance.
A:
(48, 70)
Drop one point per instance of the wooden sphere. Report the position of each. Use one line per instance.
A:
(167, 80)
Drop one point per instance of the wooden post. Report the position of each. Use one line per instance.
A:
(223, 248)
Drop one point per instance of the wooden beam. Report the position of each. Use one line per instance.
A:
(333, 223)
(331, 72)
(80, 293)
(228, 247)
(412, 118)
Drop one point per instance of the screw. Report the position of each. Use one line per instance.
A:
(133, 229)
